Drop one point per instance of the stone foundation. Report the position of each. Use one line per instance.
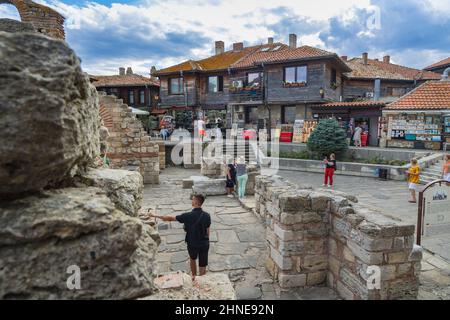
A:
(320, 236)
(129, 146)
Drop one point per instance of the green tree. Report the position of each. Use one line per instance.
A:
(328, 137)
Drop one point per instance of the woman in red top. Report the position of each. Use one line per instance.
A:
(330, 168)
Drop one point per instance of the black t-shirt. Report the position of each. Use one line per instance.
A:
(196, 227)
(331, 164)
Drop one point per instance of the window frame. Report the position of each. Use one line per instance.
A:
(333, 77)
(296, 74)
(131, 97)
(141, 96)
(219, 84)
(260, 76)
(180, 86)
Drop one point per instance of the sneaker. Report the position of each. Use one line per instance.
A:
(330, 186)
(230, 196)
(324, 185)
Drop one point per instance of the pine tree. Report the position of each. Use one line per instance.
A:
(328, 137)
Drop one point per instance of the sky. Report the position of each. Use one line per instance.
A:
(107, 35)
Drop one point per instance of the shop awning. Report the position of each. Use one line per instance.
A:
(352, 104)
(139, 111)
(158, 111)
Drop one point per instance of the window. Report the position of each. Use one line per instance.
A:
(295, 74)
(215, 84)
(176, 86)
(288, 115)
(131, 97)
(333, 81)
(254, 79)
(142, 97)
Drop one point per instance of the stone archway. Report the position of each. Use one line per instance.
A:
(44, 19)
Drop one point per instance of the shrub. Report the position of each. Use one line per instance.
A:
(328, 137)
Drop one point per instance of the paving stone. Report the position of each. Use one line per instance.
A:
(175, 238)
(251, 236)
(230, 248)
(248, 293)
(234, 210)
(227, 236)
(182, 266)
(180, 256)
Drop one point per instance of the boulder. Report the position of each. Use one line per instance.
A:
(50, 117)
(123, 187)
(11, 25)
(50, 235)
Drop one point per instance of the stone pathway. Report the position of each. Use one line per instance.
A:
(238, 245)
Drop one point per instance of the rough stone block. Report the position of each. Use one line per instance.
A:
(292, 281)
(212, 187)
(316, 278)
(284, 263)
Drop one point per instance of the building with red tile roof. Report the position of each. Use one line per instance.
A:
(439, 67)
(421, 118)
(135, 90)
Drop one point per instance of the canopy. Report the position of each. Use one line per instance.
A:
(139, 112)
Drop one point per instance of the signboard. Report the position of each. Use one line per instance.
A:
(434, 210)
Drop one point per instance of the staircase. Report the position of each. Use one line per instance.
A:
(240, 148)
(432, 173)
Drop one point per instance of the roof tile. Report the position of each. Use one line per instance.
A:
(123, 80)
(439, 64)
(430, 95)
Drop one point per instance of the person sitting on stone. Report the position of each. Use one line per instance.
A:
(197, 227)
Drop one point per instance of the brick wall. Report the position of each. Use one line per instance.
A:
(129, 146)
(317, 237)
(44, 19)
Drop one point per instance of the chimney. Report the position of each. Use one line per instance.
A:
(121, 71)
(220, 47)
(270, 40)
(292, 41)
(129, 71)
(345, 58)
(387, 59)
(365, 58)
(238, 46)
(153, 72)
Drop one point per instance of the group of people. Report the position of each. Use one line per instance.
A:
(356, 135)
(236, 176)
(414, 176)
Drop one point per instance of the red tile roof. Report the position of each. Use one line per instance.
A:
(249, 57)
(353, 104)
(389, 71)
(430, 95)
(440, 64)
(127, 80)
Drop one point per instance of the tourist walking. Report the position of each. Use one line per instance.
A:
(357, 136)
(242, 177)
(231, 179)
(446, 168)
(413, 179)
(330, 168)
(197, 227)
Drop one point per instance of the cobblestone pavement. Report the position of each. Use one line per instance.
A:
(390, 197)
(237, 247)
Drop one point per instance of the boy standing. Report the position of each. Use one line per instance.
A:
(413, 179)
(196, 224)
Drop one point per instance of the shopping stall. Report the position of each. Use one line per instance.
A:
(420, 119)
(365, 114)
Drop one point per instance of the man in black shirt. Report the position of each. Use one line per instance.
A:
(196, 224)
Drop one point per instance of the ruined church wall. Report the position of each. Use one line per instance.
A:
(129, 146)
(325, 237)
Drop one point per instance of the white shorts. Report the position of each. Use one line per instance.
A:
(413, 186)
(447, 177)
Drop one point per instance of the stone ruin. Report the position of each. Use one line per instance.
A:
(34, 17)
(59, 211)
(129, 146)
(318, 237)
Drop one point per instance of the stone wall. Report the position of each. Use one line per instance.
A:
(319, 236)
(129, 146)
(42, 18)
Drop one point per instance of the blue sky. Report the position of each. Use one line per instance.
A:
(140, 33)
